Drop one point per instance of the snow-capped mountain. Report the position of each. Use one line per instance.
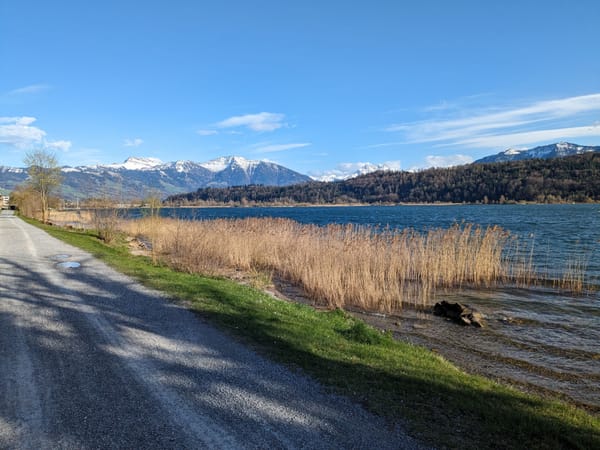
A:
(136, 178)
(345, 171)
(557, 150)
(222, 163)
(10, 177)
(135, 163)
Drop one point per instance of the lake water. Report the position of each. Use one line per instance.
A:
(538, 339)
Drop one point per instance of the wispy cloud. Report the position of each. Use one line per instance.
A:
(385, 144)
(31, 89)
(272, 148)
(511, 126)
(59, 145)
(136, 142)
(207, 132)
(441, 106)
(529, 137)
(264, 121)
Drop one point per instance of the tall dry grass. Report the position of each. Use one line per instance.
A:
(337, 265)
(78, 218)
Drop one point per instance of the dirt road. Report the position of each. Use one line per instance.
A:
(91, 359)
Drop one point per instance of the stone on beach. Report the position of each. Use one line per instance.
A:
(462, 314)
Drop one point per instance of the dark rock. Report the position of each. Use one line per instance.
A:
(459, 313)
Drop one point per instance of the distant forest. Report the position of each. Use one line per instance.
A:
(569, 179)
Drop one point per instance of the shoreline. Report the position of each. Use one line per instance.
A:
(333, 205)
(467, 348)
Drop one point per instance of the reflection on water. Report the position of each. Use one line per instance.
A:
(68, 265)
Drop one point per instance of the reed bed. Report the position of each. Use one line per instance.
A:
(343, 266)
(78, 218)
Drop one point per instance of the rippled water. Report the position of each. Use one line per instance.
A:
(537, 338)
(534, 337)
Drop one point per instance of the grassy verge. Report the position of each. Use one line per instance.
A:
(435, 400)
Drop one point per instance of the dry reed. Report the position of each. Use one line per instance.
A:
(343, 265)
(337, 265)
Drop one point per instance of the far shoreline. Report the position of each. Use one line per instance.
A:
(312, 205)
(341, 205)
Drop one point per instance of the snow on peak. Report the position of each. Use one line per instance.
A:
(345, 171)
(216, 165)
(12, 169)
(244, 163)
(514, 151)
(136, 163)
(222, 163)
(182, 165)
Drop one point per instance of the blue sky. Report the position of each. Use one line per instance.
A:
(308, 84)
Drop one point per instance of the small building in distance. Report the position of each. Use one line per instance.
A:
(4, 201)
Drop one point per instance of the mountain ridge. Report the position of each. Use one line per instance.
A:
(141, 176)
(346, 171)
(137, 177)
(570, 179)
(555, 150)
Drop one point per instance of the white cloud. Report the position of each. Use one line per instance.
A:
(31, 89)
(280, 147)
(264, 121)
(447, 161)
(59, 145)
(442, 106)
(18, 132)
(133, 142)
(514, 126)
(207, 132)
(23, 120)
(529, 137)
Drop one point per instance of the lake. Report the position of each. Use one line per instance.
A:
(539, 339)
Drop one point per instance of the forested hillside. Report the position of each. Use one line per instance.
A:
(569, 179)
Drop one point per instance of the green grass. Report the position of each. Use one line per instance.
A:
(436, 401)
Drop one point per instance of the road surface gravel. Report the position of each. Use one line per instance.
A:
(91, 359)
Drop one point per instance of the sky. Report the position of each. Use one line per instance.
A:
(316, 86)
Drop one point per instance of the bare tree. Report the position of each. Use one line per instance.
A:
(44, 176)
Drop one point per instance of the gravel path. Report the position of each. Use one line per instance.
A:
(91, 359)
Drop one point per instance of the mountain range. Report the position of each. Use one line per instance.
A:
(136, 178)
(572, 179)
(557, 150)
(345, 171)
